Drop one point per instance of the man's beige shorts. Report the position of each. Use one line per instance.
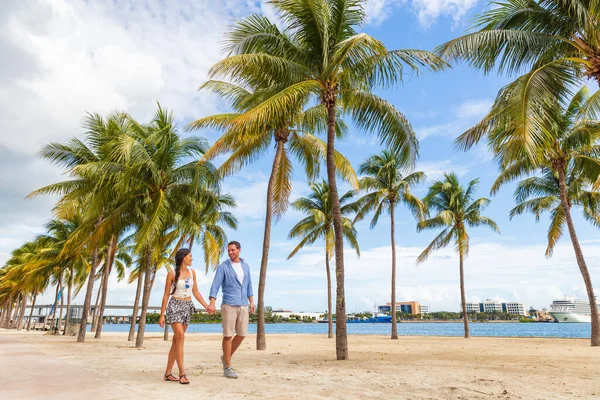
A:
(235, 318)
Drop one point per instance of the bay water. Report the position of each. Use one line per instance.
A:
(502, 329)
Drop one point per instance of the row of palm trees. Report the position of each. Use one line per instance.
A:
(135, 192)
(287, 84)
(319, 64)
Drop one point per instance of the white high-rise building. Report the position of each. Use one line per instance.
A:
(490, 305)
(514, 308)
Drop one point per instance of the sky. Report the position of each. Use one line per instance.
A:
(61, 59)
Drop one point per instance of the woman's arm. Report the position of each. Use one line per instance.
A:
(165, 300)
(197, 294)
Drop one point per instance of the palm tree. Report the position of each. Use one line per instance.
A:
(388, 184)
(64, 266)
(293, 135)
(540, 194)
(556, 42)
(570, 168)
(18, 282)
(320, 56)
(319, 225)
(92, 188)
(159, 187)
(456, 210)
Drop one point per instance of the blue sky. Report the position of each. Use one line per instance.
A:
(66, 58)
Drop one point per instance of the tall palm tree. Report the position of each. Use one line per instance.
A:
(388, 182)
(65, 266)
(570, 156)
(293, 133)
(320, 56)
(319, 225)
(90, 164)
(456, 210)
(17, 282)
(160, 184)
(556, 42)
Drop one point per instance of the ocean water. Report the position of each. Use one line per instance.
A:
(508, 329)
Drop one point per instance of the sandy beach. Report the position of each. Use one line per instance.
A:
(301, 366)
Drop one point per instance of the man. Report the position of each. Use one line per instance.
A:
(233, 277)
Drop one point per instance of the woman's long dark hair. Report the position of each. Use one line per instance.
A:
(179, 256)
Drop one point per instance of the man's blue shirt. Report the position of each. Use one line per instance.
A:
(235, 293)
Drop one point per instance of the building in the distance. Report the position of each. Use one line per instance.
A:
(490, 305)
(424, 309)
(409, 307)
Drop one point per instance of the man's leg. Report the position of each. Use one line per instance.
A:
(241, 328)
(235, 343)
(227, 350)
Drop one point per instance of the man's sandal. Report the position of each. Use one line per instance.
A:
(171, 378)
(183, 376)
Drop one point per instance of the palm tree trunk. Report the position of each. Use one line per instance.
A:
(31, 312)
(53, 324)
(7, 313)
(393, 309)
(2, 315)
(22, 312)
(88, 293)
(96, 308)
(261, 340)
(166, 334)
(13, 323)
(329, 311)
(62, 302)
(112, 249)
(138, 291)
(69, 288)
(14, 311)
(595, 339)
(139, 340)
(462, 295)
(341, 335)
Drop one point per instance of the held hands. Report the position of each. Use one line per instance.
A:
(211, 309)
(252, 308)
(161, 321)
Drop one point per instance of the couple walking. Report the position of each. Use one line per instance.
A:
(233, 278)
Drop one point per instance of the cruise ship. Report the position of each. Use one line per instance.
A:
(571, 309)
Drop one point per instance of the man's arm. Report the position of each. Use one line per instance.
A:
(216, 285)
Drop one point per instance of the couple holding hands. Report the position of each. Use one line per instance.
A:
(233, 278)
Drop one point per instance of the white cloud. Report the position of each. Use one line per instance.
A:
(62, 59)
(436, 169)
(428, 11)
(475, 109)
(379, 10)
(467, 113)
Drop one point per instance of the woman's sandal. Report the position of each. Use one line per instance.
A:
(183, 376)
(168, 378)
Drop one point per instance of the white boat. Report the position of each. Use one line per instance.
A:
(571, 309)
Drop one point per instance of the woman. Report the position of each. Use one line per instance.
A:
(180, 286)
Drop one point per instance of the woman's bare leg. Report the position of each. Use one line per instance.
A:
(178, 338)
(171, 360)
